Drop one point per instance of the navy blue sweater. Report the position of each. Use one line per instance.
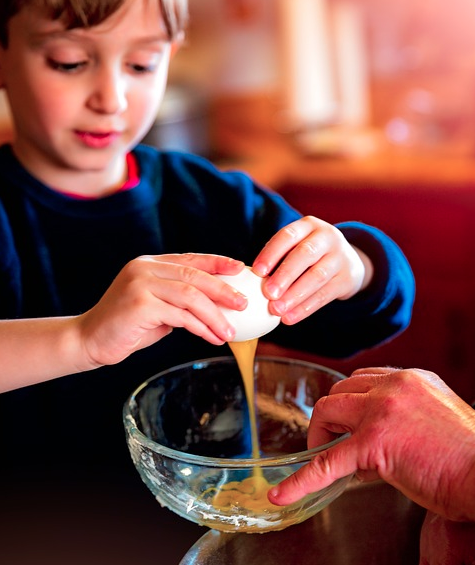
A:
(58, 255)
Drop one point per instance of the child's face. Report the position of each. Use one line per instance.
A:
(82, 98)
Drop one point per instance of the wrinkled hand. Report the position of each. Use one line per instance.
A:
(407, 427)
(152, 295)
(444, 542)
(314, 264)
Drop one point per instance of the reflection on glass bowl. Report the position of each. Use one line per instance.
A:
(188, 433)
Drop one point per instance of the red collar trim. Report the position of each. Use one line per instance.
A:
(133, 179)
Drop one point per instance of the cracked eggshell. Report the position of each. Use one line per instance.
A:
(256, 320)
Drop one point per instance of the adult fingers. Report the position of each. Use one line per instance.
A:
(324, 469)
(363, 380)
(335, 414)
(374, 371)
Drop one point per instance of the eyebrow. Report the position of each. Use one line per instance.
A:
(77, 35)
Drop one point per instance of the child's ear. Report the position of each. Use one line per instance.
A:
(177, 43)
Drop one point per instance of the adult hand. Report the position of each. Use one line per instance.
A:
(444, 542)
(152, 295)
(407, 427)
(314, 264)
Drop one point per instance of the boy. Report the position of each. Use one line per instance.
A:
(81, 205)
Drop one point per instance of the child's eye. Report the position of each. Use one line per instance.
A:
(144, 62)
(69, 67)
(142, 69)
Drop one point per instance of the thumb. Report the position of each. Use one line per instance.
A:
(324, 469)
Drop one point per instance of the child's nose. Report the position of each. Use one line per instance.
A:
(109, 94)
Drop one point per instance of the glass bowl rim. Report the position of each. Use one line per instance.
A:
(222, 462)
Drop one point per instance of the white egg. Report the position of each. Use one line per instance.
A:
(256, 320)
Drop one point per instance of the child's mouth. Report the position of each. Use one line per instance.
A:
(97, 139)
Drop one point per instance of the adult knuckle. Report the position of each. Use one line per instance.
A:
(403, 379)
(320, 465)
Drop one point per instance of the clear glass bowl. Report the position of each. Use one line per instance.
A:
(188, 433)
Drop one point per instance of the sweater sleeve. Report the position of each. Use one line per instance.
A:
(9, 270)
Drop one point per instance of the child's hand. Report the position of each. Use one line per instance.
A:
(152, 295)
(314, 264)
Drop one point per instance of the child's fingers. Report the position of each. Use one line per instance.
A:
(281, 244)
(180, 306)
(183, 270)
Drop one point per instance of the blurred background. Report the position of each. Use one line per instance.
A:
(406, 67)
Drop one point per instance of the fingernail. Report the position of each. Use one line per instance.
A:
(290, 317)
(273, 290)
(229, 334)
(260, 269)
(240, 300)
(274, 492)
(279, 307)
